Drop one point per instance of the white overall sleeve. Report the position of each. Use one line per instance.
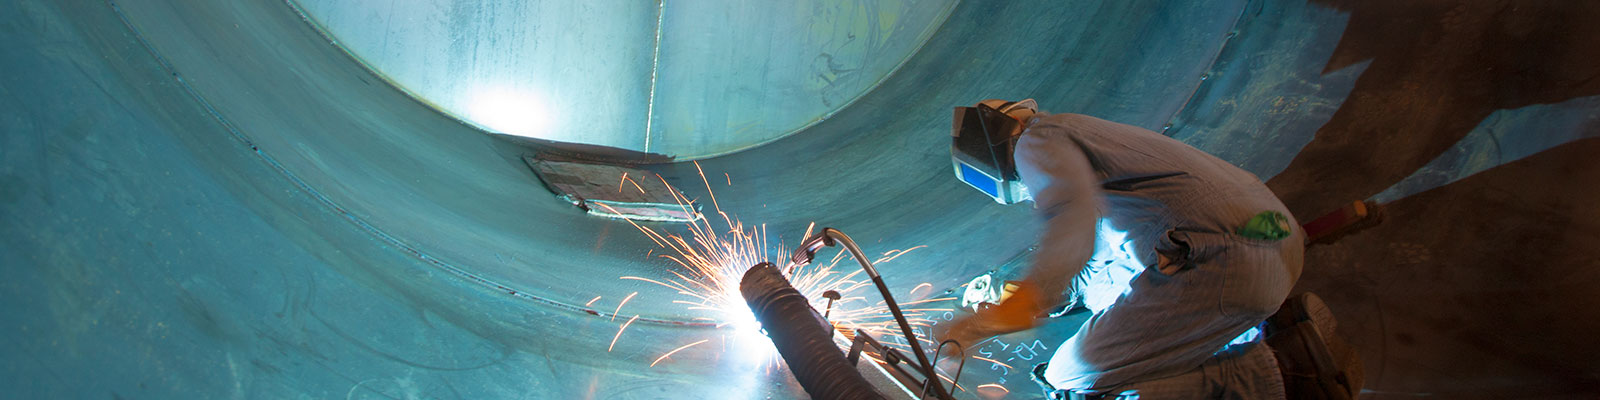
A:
(1066, 194)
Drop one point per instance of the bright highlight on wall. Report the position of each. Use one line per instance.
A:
(510, 111)
(690, 79)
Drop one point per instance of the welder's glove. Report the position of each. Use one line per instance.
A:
(1019, 312)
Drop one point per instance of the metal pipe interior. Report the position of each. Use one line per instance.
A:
(214, 199)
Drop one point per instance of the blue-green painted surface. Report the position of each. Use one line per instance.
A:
(211, 200)
(687, 79)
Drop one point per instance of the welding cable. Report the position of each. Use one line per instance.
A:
(829, 237)
(961, 352)
(802, 337)
(883, 289)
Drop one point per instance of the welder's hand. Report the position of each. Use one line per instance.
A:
(1018, 313)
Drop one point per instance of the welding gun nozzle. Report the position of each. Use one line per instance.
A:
(808, 249)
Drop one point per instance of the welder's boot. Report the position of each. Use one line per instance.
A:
(1315, 362)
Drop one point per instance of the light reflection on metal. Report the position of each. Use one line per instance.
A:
(690, 79)
(512, 112)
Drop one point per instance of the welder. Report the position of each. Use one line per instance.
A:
(1178, 255)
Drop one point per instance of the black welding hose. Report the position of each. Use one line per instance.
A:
(802, 337)
(832, 236)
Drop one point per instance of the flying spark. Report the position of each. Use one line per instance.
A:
(711, 261)
(994, 386)
(675, 351)
(923, 285)
(619, 332)
(619, 305)
(1008, 366)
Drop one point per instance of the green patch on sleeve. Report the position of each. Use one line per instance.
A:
(1267, 225)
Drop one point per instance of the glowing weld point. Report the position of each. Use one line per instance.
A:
(619, 333)
(675, 351)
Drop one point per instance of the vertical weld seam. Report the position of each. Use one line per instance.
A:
(655, 68)
(1232, 33)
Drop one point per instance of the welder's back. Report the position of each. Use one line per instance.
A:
(1158, 194)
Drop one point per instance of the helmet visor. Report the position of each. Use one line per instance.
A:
(981, 152)
(977, 179)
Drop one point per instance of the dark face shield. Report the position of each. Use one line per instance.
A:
(981, 149)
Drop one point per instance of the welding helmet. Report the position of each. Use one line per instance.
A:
(982, 140)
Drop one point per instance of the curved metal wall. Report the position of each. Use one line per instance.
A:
(568, 71)
(686, 79)
(733, 75)
(207, 199)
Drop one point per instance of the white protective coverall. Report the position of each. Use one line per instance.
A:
(1112, 196)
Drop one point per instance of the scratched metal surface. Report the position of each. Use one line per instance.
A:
(211, 200)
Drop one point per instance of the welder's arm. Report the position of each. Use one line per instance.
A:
(1065, 191)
